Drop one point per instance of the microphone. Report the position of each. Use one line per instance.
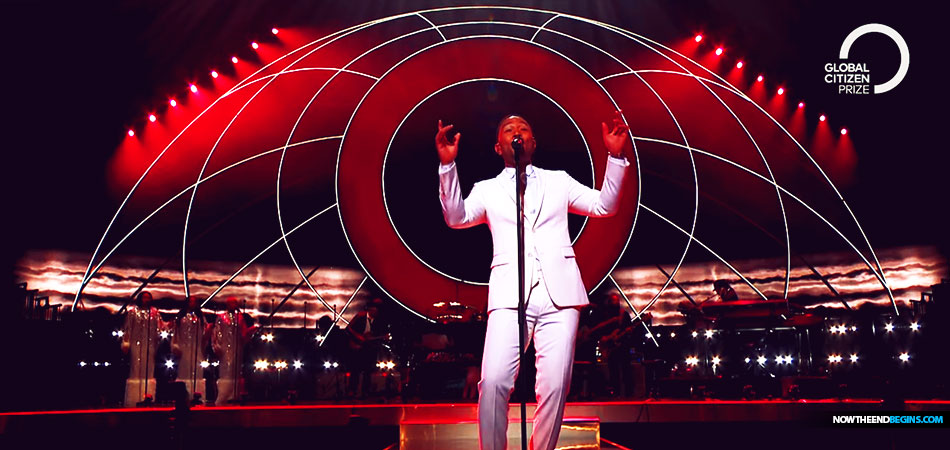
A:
(517, 143)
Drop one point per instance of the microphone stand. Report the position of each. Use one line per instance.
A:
(520, 185)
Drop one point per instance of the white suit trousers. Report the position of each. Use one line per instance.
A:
(553, 330)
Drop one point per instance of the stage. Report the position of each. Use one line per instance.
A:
(627, 424)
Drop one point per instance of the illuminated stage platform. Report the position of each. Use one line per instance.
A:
(430, 426)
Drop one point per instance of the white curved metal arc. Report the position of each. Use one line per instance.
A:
(280, 220)
(784, 191)
(184, 191)
(726, 87)
(543, 26)
(707, 248)
(433, 26)
(302, 69)
(788, 244)
(409, 113)
(632, 308)
(214, 147)
(339, 316)
(246, 265)
(879, 271)
(86, 275)
(477, 37)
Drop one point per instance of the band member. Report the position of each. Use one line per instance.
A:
(231, 333)
(140, 338)
(188, 345)
(724, 291)
(554, 289)
(365, 333)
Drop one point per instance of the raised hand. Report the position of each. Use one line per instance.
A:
(615, 136)
(448, 150)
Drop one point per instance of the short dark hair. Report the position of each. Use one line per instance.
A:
(719, 284)
(506, 117)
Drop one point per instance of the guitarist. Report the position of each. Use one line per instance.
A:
(365, 332)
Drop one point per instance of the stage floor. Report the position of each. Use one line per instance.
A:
(628, 424)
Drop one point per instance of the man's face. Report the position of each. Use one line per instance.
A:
(192, 302)
(232, 304)
(146, 299)
(511, 127)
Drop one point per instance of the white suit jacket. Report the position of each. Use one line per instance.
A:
(547, 239)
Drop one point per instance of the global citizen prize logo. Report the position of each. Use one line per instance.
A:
(854, 78)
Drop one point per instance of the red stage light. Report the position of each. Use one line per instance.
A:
(801, 105)
(214, 74)
(760, 78)
(131, 133)
(274, 30)
(822, 118)
(152, 118)
(699, 38)
(234, 59)
(254, 45)
(739, 65)
(172, 102)
(193, 88)
(781, 91)
(719, 51)
(844, 131)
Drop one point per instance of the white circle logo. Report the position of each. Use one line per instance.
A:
(889, 32)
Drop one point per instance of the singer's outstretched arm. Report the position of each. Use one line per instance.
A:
(458, 213)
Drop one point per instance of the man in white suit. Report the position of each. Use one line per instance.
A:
(553, 285)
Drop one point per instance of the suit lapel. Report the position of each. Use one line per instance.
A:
(539, 179)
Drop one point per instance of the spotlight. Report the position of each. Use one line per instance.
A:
(169, 363)
(692, 360)
(904, 357)
(709, 333)
(889, 327)
(854, 328)
(672, 334)
(106, 364)
(336, 364)
(698, 38)
(193, 88)
(280, 365)
(274, 30)
(131, 133)
(327, 364)
(834, 358)
(214, 74)
(261, 364)
(854, 357)
(719, 51)
(844, 131)
(761, 360)
(747, 360)
(205, 364)
(297, 364)
(759, 79)
(739, 65)
(152, 118)
(164, 334)
(801, 105)
(96, 364)
(695, 334)
(822, 118)
(254, 45)
(781, 91)
(320, 338)
(82, 364)
(915, 326)
(234, 59)
(215, 364)
(716, 360)
(267, 337)
(172, 102)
